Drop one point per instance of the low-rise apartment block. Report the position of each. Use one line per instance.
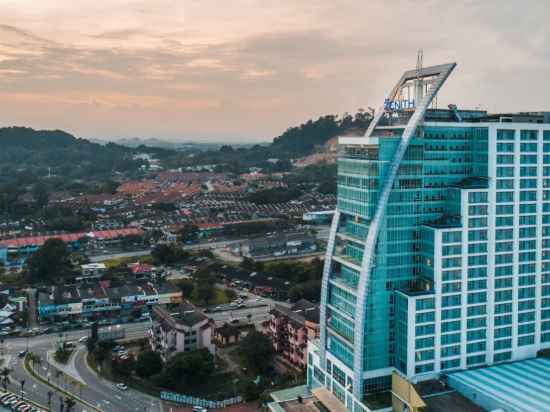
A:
(291, 328)
(181, 329)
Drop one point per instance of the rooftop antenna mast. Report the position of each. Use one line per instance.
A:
(419, 82)
(419, 62)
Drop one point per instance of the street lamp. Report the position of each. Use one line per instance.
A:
(22, 382)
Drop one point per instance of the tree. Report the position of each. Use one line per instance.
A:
(205, 288)
(275, 195)
(310, 290)
(327, 187)
(230, 294)
(188, 233)
(205, 291)
(40, 195)
(168, 254)
(250, 391)
(148, 364)
(5, 374)
(187, 286)
(124, 367)
(248, 264)
(50, 262)
(187, 368)
(257, 352)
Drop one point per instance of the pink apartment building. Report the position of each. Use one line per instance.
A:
(291, 328)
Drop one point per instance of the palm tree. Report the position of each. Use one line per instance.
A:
(69, 404)
(35, 359)
(5, 374)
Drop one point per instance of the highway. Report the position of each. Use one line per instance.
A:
(102, 394)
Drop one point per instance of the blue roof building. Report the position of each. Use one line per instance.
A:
(522, 386)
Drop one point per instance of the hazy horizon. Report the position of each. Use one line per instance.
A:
(182, 140)
(249, 69)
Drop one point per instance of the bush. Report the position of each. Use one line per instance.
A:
(186, 368)
(148, 364)
(62, 355)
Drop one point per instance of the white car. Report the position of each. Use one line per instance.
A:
(83, 339)
(122, 386)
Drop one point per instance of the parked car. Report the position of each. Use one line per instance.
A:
(122, 386)
(199, 409)
(8, 398)
(22, 354)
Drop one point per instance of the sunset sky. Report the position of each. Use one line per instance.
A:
(245, 70)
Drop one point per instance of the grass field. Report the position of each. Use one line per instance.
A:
(220, 298)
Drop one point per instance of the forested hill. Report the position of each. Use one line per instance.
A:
(303, 139)
(25, 137)
(36, 151)
(295, 142)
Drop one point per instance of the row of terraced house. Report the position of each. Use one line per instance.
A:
(103, 301)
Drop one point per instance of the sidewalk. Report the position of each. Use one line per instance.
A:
(242, 407)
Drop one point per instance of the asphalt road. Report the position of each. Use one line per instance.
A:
(199, 246)
(103, 394)
(322, 234)
(97, 391)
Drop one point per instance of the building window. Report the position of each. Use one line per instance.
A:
(474, 360)
(502, 357)
(526, 340)
(424, 368)
(450, 364)
(505, 134)
(477, 197)
(527, 135)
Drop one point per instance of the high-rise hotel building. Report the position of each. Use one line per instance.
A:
(439, 255)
